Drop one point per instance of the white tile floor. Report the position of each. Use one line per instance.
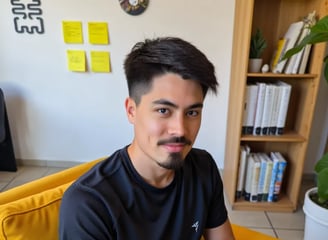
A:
(285, 226)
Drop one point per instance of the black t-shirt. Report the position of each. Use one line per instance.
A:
(112, 201)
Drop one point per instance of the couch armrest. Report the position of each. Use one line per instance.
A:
(46, 183)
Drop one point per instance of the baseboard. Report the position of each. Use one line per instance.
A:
(46, 163)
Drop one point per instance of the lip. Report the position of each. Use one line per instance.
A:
(174, 147)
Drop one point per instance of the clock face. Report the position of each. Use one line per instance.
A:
(134, 7)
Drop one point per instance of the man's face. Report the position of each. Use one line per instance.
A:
(166, 121)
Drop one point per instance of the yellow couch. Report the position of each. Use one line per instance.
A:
(30, 211)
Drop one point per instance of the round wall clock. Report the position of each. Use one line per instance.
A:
(134, 7)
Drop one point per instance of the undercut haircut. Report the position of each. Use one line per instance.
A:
(155, 57)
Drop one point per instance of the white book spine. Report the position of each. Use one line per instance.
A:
(245, 112)
(299, 55)
(263, 166)
(267, 109)
(291, 35)
(311, 20)
(305, 58)
(251, 108)
(241, 172)
(283, 108)
(275, 110)
(249, 175)
(259, 108)
(255, 178)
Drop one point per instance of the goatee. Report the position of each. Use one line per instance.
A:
(174, 162)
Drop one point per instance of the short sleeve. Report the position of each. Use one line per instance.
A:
(83, 220)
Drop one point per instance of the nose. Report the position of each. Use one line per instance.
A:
(177, 125)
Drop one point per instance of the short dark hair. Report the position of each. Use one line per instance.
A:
(152, 58)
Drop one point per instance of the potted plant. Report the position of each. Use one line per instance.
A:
(316, 199)
(257, 46)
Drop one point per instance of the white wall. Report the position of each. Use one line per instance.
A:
(319, 129)
(57, 115)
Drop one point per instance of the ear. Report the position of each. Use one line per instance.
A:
(130, 108)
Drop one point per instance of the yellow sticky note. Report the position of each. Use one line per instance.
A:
(98, 33)
(100, 61)
(72, 31)
(76, 60)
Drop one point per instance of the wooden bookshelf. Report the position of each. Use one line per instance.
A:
(273, 18)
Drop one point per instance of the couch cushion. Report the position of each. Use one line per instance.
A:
(45, 183)
(33, 217)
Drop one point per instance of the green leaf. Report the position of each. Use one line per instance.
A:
(321, 25)
(323, 185)
(322, 164)
(318, 33)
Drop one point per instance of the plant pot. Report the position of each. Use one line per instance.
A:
(316, 219)
(254, 65)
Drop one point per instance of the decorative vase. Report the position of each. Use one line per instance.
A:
(254, 65)
(316, 218)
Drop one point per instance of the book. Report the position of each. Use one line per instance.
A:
(267, 109)
(243, 130)
(250, 107)
(275, 109)
(294, 61)
(278, 54)
(305, 58)
(259, 108)
(263, 167)
(244, 152)
(311, 20)
(249, 175)
(255, 177)
(267, 177)
(291, 35)
(280, 175)
(298, 56)
(275, 163)
(285, 91)
(308, 21)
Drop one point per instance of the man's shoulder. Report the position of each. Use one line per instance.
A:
(104, 169)
(200, 155)
(201, 159)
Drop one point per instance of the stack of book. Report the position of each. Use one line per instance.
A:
(260, 175)
(265, 108)
(294, 35)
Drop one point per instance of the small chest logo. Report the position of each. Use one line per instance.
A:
(195, 226)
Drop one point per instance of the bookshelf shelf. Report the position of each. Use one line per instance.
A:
(285, 205)
(250, 15)
(276, 75)
(287, 137)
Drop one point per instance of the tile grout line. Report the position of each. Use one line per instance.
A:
(272, 227)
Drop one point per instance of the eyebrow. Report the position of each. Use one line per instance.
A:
(171, 104)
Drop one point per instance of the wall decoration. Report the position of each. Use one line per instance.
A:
(134, 7)
(28, 16)
(98, 32)
(100, 61)
(76, 60)
(72, 31)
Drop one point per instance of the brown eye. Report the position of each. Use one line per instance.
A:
(163, 111)
(192, 113)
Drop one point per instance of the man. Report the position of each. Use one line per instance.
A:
(158, 187)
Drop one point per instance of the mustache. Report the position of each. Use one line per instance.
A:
(174, 140)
